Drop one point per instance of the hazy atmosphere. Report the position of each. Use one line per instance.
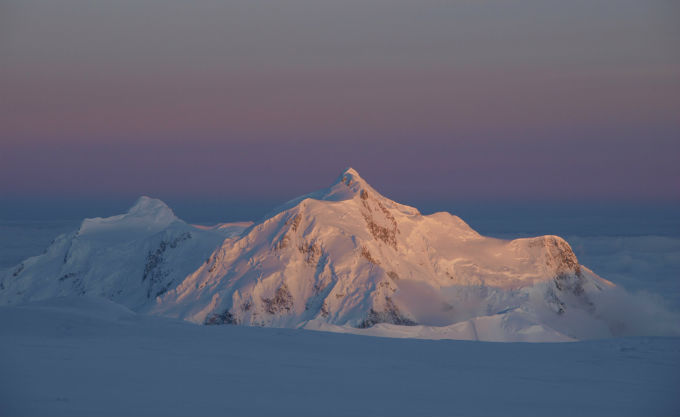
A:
(255, 102)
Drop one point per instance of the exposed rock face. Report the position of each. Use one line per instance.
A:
(156, 271)
(225, 318)
(390, 314)
(281, 303)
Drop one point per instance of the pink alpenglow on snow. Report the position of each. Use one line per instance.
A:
(343, 259)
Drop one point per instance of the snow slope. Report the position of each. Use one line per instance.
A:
(84, 356)
(343, 259)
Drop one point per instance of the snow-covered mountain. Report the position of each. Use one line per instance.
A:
(343, 259)
(130, 258)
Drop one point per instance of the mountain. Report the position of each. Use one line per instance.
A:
(343, 259)
(346, 257)
(130, 258)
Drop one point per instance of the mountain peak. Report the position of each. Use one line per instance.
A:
(347, 186)
(351, 172)
(349, 177)
(147, 214)
(148, 206)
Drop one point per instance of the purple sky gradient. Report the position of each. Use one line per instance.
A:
(427, 100)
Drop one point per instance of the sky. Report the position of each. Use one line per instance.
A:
(257, 101)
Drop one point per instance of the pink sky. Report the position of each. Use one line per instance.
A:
(547, 100)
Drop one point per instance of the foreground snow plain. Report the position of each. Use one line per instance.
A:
(88, 356)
